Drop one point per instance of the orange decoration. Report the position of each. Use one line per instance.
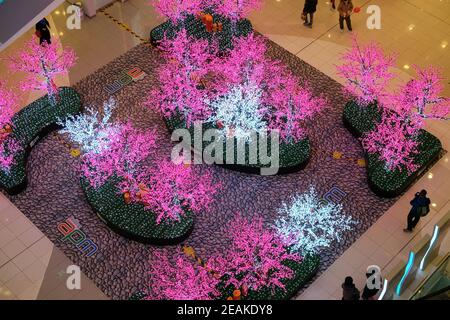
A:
(237, 295)
(143, 190)
(357, 10)
(8, 128)
(127, 197)
(230, 298)
(207, 20)
(189, 251)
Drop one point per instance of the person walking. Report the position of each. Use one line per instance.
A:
(345, 9)
(420, 208)
(349, 290)
(308, 12)
(43, 32)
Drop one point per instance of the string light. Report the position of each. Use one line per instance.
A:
(308, 223)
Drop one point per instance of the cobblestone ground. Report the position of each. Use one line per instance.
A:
(119, 268)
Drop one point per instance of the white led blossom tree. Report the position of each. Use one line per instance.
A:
(308, 225)
(90, 131)
(239, 113)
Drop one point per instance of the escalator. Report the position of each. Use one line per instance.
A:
(437, 285)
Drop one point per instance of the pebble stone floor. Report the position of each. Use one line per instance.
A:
(120, 266)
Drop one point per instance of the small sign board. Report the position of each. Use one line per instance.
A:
(125, 78)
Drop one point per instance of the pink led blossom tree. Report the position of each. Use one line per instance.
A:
(180, 280)
(247, 62)
(9, 146)
(422, 96)
(123, 157)
(254, 258)
(43, 63)
(7, 104)
(284, 105)
(180, 89)
(176, 10)
(367, 72)
(291, 105)
(168, 190)
(394, 140)
(236, 9)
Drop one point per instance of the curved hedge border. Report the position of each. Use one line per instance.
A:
(132, 220)
(382, 182)
(293, 157)
(304, 271)
(195, 28)
(30, 125)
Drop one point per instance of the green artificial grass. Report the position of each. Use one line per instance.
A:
(293, 156)
(393, 183)
(132, 220)
(360, 120)
(32, 123)
(195, 28)
(384, 182)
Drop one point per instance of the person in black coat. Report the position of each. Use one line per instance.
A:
(420, 207)
(308, 12)
(349, 290)
(43, 31)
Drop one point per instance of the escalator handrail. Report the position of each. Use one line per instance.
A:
(431, 295)
(424, 281)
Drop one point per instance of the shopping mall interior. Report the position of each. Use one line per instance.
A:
(94, 205)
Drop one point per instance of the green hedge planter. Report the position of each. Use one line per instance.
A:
(293, 157)
(195, 28)
(386, 183)
(131, 220)
(30, 125)
(304, 271)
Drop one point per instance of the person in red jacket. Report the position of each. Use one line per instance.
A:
(345, 9)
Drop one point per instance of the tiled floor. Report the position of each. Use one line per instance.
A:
(31, 267)
(418, 30)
